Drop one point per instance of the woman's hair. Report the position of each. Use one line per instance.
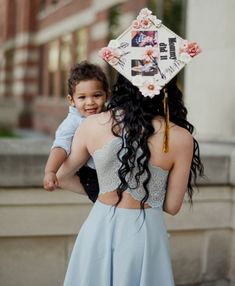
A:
(84, 71)
(136, 122)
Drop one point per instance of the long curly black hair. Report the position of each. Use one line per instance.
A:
(135, 123)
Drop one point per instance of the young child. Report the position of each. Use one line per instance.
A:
(88, 91)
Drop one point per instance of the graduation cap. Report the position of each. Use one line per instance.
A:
(149, 55)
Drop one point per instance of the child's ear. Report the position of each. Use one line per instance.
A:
(70, 100)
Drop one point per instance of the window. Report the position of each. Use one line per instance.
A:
(53, 63)
(41, 69)
(81, 44)
(65, 61)
(9, 56)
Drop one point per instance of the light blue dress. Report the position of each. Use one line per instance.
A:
(121, 247)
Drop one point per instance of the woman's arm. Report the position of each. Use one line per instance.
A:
(78, 157)
(179, 174)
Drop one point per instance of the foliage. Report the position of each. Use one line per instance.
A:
(7, 132)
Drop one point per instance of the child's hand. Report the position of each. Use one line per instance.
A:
(50, 181)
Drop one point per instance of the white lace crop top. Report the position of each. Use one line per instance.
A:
(109, 180)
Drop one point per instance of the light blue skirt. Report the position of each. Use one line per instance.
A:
(121, 248)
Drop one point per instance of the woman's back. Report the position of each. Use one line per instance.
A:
(104, 146)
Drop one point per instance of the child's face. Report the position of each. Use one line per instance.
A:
(89, 97)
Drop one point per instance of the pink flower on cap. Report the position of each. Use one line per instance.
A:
(150, 53)
(136, 24)
(145, 23)
(193, 49)
(109, 55)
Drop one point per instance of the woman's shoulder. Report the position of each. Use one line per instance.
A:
(180, 136)
(98, 119)
(176, 131)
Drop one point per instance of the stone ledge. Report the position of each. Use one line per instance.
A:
(39, 197)
(22, 162)
(35, 212)
(212, 283)
(216, 157)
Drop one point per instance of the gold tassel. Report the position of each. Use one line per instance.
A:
(167, 122)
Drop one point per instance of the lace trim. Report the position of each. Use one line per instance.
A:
(109, 180)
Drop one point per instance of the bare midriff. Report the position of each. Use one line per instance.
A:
(127, 202)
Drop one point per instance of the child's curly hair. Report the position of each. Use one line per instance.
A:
(86, 71)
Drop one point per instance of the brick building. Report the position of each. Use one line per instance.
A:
(41, 39)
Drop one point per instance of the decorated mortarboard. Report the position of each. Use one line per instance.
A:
(149, 55)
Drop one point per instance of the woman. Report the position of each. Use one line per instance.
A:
(124, 241)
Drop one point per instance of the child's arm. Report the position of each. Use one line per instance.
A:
(55, 160)
(60, 150)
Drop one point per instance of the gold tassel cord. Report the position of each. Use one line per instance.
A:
(167, 122)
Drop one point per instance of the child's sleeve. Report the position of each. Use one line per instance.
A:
(65, 132)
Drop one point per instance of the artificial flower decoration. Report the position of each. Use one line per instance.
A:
(145, 19)
(148, 53)
(136, 24)
(193, 49)
(113, 54)
(150, 88)
(156, 21)
(144, 13)
(110, 55)
(145, 23)
(188, 51)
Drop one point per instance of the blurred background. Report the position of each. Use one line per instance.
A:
(39, 42)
